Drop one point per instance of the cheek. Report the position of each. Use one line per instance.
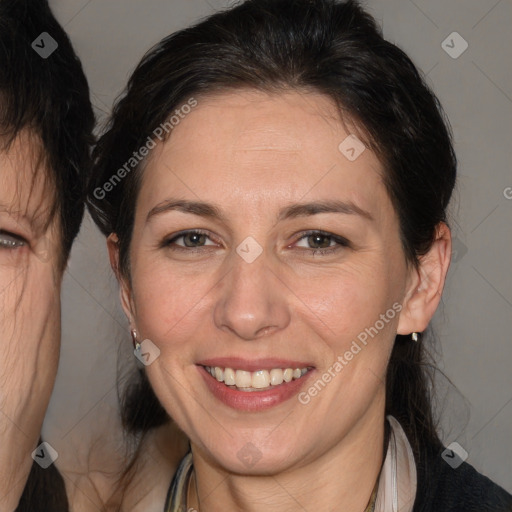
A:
(346, 300)
(29, 308)
(12, 306)
(167, 303)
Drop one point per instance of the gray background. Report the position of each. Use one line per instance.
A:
(473, 323)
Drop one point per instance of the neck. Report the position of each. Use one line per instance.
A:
(344, 477)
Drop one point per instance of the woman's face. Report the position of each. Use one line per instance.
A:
(297, 265)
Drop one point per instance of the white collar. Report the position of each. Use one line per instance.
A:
(398, 479)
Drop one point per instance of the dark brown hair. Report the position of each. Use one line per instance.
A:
(331, 47)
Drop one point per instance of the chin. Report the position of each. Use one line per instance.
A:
(241, 456)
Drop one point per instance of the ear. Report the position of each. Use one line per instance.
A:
(425, 284)
(124, 286)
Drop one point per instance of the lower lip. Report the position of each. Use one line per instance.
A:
(253, 400)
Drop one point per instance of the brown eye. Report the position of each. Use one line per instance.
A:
(194, 239)
(321, 243)
(188, 239)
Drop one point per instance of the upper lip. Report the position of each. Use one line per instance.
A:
(253, 365)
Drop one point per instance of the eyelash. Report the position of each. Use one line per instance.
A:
(342, 242)
(19, 241)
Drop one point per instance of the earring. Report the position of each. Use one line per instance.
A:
(136, 344)
(415, 336)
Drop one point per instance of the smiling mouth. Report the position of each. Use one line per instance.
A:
(261, 380)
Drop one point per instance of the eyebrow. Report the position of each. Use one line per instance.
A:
(203, 209)
(313, 208)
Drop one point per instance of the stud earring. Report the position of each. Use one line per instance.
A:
(414, 336)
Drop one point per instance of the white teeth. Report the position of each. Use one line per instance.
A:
(252, 381)
(229, 377)
(260, 379)
(276, 376)
(243, 379)
(219, 374)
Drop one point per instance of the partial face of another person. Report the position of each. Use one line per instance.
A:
(260, 248)
(29, 277)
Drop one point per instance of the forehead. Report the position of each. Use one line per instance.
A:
(26, 192)
(247, 120)
(250, 145)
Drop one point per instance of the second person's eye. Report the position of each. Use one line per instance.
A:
(10, 240)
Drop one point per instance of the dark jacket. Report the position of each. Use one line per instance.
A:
(444, 489)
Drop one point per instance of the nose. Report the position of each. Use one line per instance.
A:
(253, 300)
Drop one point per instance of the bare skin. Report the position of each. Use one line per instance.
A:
(29, 312)
(252, 155)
